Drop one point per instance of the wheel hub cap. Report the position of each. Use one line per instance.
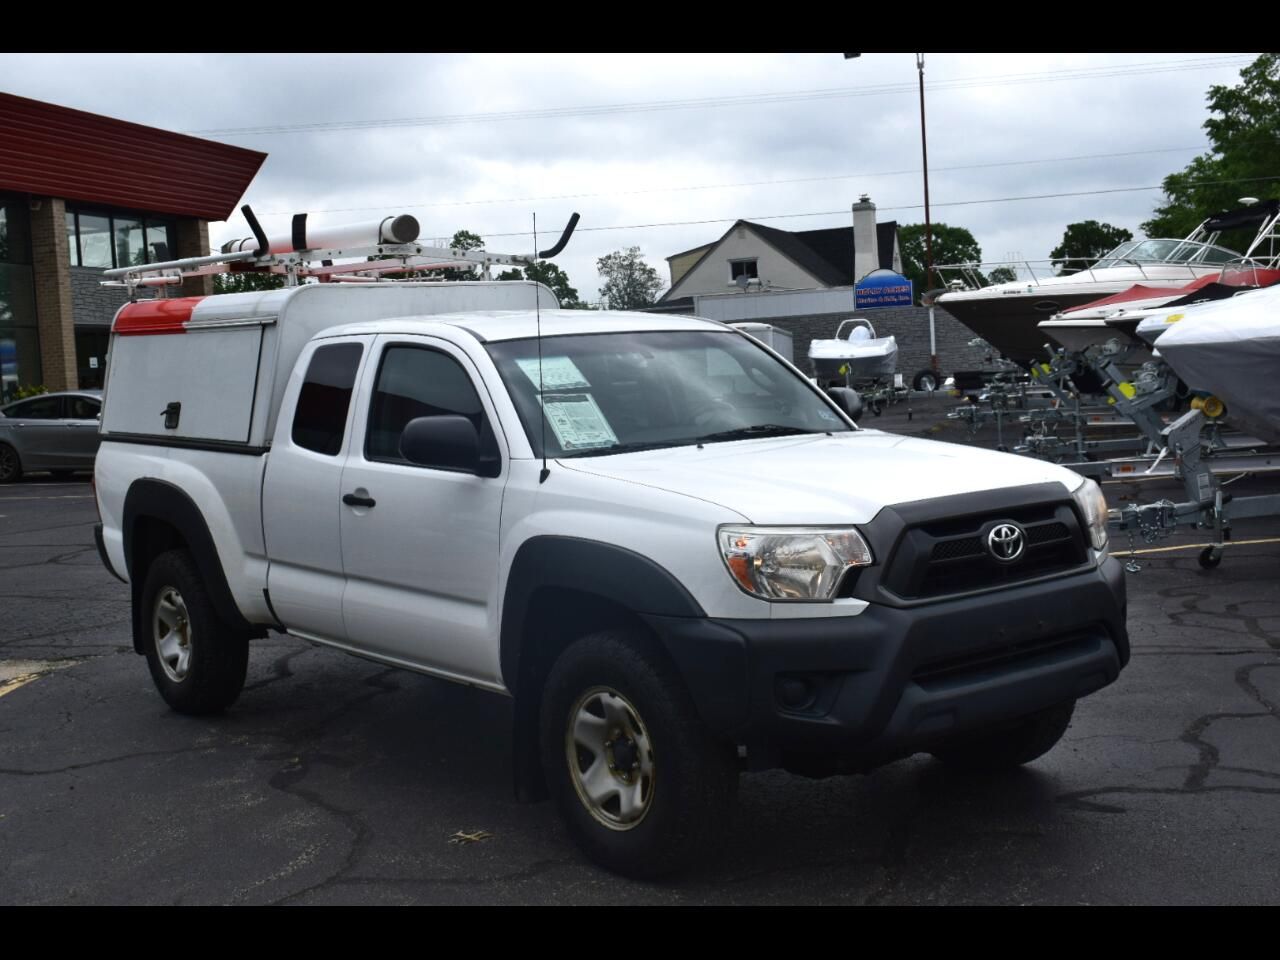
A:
(610, 758)
(173, 634)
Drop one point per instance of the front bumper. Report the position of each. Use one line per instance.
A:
(860, 691)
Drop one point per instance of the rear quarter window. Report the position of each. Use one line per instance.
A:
(320, 420)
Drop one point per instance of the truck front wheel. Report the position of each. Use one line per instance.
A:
(643, 786)
(1009, 746)
(198, 663)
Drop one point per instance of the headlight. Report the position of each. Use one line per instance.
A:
(791, 563)
(1093, 507)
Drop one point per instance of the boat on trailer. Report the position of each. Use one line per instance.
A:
(858, 357)
(1007, 315)
(1231, 350)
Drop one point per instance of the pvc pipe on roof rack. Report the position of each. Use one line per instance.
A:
(398, 229)
(179, 264)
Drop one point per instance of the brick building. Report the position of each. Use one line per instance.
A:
(82, 193)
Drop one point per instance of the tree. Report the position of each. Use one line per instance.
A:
(629, 282)
(1002, 275)
(244, 282)
(463, 240)
(550, 275)
(1243, 128)
(1086, 241)
(950, 245)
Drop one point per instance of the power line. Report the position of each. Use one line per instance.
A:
(747, 183)
(914, 206)
(1051, 76)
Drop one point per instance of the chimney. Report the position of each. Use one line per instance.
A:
(866, 253)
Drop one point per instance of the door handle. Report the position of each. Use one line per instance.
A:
(351, 500)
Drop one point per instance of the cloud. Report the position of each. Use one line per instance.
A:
(636, 159)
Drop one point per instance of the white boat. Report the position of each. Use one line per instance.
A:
(857, 357)
(1007, 315)
(1119, 317)
(1230, 349)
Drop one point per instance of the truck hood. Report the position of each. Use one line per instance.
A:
(821, 479)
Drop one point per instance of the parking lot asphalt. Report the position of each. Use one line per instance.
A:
(335, 780)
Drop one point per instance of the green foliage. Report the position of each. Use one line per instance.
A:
(629, 282)
(31, 390)
(1243, 128)
(550, 275)
(1002, 275)
(245, 282)
(1087, 240)
(950, 245)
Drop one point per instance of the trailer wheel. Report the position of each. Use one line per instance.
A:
(876, 408)
(925, 380)
(198, 663)
(1210, 557)
(1009, 746)
(643, 786)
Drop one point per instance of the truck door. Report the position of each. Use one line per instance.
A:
(420, 544)
(301, 493)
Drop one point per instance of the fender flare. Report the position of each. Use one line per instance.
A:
(614, 573)
(164, 501)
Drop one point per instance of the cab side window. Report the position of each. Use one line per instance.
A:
(41, 408)
(418, 382)
(82, 408)
(321, 417)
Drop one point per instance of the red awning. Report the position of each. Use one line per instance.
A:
(54, 151)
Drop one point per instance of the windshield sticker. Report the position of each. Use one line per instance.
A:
(577, 421)
(828, 415)
(558, 373)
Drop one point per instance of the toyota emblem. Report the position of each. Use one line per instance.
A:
(1005, 542)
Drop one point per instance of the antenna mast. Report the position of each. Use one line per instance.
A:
(542, 399)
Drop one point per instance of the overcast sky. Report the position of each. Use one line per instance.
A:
(615, 138)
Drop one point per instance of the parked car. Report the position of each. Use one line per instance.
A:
(57, 432)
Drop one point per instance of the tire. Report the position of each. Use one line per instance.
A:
(686, 779)
(925, 380)
(1009, 746)
(202, 670)
(10, 464)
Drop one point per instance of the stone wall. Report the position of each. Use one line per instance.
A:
(94, 305)
(908, 325)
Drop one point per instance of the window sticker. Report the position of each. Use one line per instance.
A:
(577, 421)
(558, 373)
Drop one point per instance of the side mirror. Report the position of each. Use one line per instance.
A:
(446, 442)
(847, 400)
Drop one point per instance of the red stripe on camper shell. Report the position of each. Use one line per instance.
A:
(155, 316)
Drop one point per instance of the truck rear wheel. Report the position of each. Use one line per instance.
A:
(198, 663)
(642, 785)
(1009, 746)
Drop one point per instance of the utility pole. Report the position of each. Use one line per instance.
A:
(928, 228)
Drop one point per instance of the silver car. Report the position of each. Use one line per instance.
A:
(54, 431)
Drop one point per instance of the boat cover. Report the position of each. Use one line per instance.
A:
(1231, 349)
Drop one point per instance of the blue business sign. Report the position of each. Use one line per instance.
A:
(883, 288)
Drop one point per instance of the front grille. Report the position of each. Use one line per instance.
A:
(947, 557)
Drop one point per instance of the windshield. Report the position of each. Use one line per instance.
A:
(619, 392)
(1164, 251)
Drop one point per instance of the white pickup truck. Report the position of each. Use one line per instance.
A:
(678, 556)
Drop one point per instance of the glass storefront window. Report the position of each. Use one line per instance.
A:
(130, 249)
(15, 233)
(73, 250)
(159, 242)
(19, 338)
(95, 241)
